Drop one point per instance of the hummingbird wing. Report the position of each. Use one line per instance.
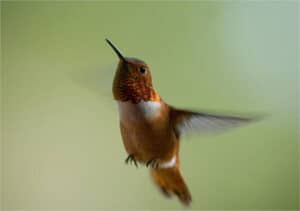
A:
(187, 122)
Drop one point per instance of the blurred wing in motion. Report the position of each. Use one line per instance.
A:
(190, 122)
(98, 81)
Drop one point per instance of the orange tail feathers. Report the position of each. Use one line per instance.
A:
(170, 181)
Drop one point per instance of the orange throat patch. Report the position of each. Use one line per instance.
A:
(134, 91)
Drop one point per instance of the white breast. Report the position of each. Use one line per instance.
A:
(148, 110)
(169, 164)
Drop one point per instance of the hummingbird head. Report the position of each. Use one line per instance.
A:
(132, 81)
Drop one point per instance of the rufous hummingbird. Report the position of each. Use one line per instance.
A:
(151, 128)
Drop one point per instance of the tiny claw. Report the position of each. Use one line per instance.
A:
(135, 163)
(152, 163)
(148, 163)
(131, 159)
(126, 160)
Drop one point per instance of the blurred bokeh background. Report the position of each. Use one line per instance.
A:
(61, 146)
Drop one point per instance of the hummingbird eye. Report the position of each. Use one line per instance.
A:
(143, 70)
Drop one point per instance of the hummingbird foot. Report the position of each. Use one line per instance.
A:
(131, 159)
(153, 163)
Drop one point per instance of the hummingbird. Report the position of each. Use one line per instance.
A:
(151, 129)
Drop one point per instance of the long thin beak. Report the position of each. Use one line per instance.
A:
(116, 50)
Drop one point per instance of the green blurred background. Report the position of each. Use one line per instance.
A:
(61, 146)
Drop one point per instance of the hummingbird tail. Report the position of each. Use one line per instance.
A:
(170, 181)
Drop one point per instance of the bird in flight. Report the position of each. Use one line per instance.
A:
(151, 129)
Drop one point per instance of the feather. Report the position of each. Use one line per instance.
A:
(189, 122)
